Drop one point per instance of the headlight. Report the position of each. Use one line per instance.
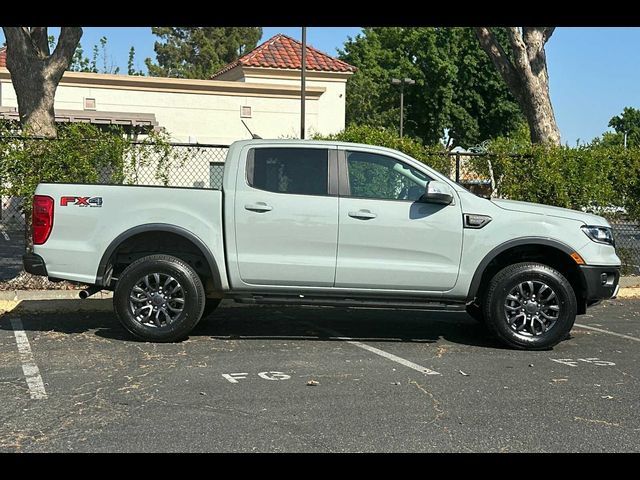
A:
(599, 234)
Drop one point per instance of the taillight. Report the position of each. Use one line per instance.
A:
(42, 218)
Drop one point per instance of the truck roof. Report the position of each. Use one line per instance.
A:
(302, 143)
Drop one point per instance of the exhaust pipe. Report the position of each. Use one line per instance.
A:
(86, 293)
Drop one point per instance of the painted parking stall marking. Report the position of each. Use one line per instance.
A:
(574, 363)
(270, 375)
(628, 337)
(377, 351)
(29, 367)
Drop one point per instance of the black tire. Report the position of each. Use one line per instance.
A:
(506, 282)
(191, 291)
(476, 312)
(210, 305)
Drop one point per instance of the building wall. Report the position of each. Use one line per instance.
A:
(203, 114)
(331, 105)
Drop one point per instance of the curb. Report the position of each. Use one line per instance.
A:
(36, 301)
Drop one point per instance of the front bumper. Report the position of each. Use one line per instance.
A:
(599, 283)
(34, 264)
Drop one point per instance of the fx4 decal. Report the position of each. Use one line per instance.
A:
(81, 201)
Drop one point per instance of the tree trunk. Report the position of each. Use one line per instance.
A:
(36, 90)
(538, 111)
(35, 73)
(526, 76)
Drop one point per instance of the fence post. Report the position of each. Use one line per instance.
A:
(457, 167)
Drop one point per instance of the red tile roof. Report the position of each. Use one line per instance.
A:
(3, 57)
(282, 51)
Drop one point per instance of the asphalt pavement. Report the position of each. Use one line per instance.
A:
(296, 379)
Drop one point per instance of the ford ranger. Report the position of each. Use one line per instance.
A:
(324, 223)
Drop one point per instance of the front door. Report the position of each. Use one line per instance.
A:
(286, 216)
(388, 239)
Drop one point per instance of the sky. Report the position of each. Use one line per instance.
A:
(593, 72)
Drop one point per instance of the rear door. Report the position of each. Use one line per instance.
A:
(388, 238)
(286, 216)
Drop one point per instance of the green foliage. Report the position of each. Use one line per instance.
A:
(457, 88)
(131, 69)
(82, 153)
(80, 63)
(435, 157)
(596, 178)
(199, 52)
(628, 122)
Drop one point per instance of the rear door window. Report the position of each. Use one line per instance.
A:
(300, 171)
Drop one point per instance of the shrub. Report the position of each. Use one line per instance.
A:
(594, 178)
(82, 153)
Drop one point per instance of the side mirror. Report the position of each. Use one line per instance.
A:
(437, 192)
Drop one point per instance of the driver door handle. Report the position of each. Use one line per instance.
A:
(258, 207)
(363, 214)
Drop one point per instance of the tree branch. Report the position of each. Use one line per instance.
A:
(500, 60)
(40, 41)
(62, 55)
(548, 31)
(534, 41)
(519, 49)
(17, 43)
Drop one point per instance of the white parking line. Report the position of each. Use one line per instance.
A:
(628, 337)
(29, 367)
(377, 351)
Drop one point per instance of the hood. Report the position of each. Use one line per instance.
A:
(539, 209)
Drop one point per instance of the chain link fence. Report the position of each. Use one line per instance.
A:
(175, 165)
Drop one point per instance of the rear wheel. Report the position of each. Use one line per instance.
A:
(530, 306)
(159, 298)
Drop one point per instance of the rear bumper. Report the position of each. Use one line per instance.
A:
(599, 283)
(34, 264)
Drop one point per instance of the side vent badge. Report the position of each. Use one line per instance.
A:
(475, 221)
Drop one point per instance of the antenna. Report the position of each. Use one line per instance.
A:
(253, 135)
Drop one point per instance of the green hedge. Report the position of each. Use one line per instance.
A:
(599, 179)
(82, 153)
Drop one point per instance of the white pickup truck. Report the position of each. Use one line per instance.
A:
(324, 223)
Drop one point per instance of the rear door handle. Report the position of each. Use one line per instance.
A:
(258, 207)
(363, 214)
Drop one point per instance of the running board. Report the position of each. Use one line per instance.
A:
(351, 302)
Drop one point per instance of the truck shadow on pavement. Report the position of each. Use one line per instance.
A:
(266, 323)
(327, 323)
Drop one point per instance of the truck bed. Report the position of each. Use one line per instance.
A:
(93, 216)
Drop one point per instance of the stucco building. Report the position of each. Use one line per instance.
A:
(262, 88)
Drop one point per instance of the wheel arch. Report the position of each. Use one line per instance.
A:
(103, 274)
(544, 250)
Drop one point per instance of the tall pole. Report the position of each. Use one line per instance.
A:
(304, 80)
(401, 108)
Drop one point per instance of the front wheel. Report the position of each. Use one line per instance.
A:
(530, 306)
(159, 298)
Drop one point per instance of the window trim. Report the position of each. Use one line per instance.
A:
(332, 169)
(345, 186)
